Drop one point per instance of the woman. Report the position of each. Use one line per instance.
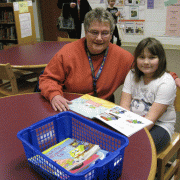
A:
(91, 65)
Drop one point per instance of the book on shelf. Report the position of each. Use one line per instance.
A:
(7, 16)
(124, 121)
(73, 154)
(7, 33)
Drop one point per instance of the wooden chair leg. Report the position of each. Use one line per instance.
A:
(177, 176)
(161, 169)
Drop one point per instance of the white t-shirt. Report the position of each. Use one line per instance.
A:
(161, 90)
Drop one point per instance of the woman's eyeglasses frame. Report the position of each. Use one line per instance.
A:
(95, 34)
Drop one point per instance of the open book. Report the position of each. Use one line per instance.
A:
(115, 116)
(90, 106)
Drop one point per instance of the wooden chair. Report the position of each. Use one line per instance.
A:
(17, 45)
(166, 170)
(66, 39)
(11, 85)
(21, 73)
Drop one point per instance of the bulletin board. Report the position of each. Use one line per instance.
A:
(24, 20)
(153, 20)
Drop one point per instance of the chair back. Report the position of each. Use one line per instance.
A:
(177, 100)
(6, 73)
(10, 46)
(17, 45)
(167, 169)
(66, 39)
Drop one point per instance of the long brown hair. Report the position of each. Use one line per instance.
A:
(154, 47)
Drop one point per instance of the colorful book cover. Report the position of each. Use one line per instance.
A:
(85, 164)
(71, 153)
(101, 154)
(90, 106)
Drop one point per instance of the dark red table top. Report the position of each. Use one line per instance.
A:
(33, 54)
(21, 111)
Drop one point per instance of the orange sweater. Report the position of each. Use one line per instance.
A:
(69, 71)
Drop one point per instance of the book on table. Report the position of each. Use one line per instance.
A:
(124, 121)
(73, 155)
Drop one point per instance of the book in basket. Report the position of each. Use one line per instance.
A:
(71, 153)
(115, 116)
(100, 154)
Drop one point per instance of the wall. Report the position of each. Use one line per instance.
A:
(36, 20)
(154, 26)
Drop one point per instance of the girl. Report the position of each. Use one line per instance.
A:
(115, 13)
(149, 90)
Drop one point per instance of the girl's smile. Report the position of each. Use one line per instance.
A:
(147, 63)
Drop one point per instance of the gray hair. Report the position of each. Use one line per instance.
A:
(99, 15)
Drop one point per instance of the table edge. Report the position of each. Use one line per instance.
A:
(152, 172)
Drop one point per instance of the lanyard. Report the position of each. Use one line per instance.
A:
(95, 78)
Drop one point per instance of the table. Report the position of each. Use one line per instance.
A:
(21, 111)
(32, 57)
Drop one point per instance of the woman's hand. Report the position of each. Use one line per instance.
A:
(60, 103)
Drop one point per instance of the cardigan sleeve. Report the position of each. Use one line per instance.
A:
(174, 75)
(51, 81)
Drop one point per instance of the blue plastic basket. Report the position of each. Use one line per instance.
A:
(50, 131)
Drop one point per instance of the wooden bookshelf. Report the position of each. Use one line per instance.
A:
(7, 25)
(10, 30)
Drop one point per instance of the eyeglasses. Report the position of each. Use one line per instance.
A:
(104, 34)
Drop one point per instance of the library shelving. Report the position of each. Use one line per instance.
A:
(7, 25)
(10, 28)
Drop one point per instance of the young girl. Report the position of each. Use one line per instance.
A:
(114, 11)
(149, 90)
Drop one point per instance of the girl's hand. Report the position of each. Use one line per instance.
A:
(72, 5)
(177, 81)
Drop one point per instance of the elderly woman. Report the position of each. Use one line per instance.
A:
(89, 65)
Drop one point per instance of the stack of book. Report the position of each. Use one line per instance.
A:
(75, 155)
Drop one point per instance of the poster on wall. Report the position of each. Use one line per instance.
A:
(134, 2)
(139, 28)
(170, 2)
(140, 2)
(128, 2)
(173, 21)
(150, 4)
(134, 12)
(129, 28)
(120, 3)
(25, 25)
